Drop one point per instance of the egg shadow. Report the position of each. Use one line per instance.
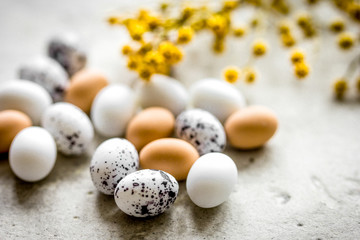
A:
(4, 156)
(129, 227)
(29, 195)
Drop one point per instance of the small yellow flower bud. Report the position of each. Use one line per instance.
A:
(239, 31)
(230, 5)
(297, 57)
(337, 26)
(126, 50)
(259, 48)
(231, 74)
(288, 40)
(185, 35)
(340, 87)
(346, 40)
(113, 20)
(250, 76)
(301, 70)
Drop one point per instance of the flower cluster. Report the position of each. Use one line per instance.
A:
(158, 37)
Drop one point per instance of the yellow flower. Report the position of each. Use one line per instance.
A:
(354, 11)
(301, 70)
(231, 74)
(143, 14)
(153, 58)
(164, 6)
(297, 57)
(133, 62)
(345, 40)
(153, 22)
(340, 87)
(145, 72)
(136, 29)
(337, 26)
(113, 20)
(229, 5)
(170, 52)
(218, 24)
(250, 76)
(239, 31)
(126, 49)
(145, 47)
(303, 20)
(186, 13)
(185, 35)
(259, 48)
(288, 40)
(284, 28)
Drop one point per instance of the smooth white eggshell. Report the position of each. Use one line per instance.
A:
(25, 96)
(48, 73)
(112, 161)
(146, 193)
(217, 97)
(32, 154)
(70, 127)
(163, 91)
(211, 179)
(112, 109)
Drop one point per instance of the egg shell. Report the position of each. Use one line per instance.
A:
(211, 180)
(11, 123)
(202, 130)
(67, 49)
(112, 161)
(48, 73)
(217, 97)
(171, 155)
(163, 91)
(70, 127)
(112, 110)
(148, 125)
(24, 96)
(146, 193)
(83, 88)
(251, 127)
(32, 154)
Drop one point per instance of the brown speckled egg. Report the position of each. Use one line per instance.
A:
(174, 156)
(148, 125)
(11, 123)
(251, 127)
(83, 87)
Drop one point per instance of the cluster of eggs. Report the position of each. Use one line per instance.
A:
(203, 119)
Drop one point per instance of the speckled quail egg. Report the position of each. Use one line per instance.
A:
(70, 127)
(48, 73)
(67, 49)
(112, 161)
(146, 193)
(202, 130)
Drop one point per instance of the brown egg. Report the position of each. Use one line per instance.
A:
(11, 123)
(251, 127)
(174, 156)
(148, 125)
(83, 87)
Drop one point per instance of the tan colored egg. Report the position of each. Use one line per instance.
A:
(11, 123)
(174, 156)
(83, 87)
(251, 127)
(148, 125)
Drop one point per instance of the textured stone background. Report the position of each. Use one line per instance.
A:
(304, 184)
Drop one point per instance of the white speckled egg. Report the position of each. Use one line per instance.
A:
(32, 154)
(202, 130)
(112, 161)
(146, 193)
(163, 91)
(112, 109)
(67, 49)
(217, 97)
(48, 73)
(211, 180)
(24, 96)
(70, 127)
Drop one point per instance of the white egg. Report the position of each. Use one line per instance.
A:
(112, 109)
(67, 49)
(70, 127)
(24, 96)
(32, 154)
(202, 130)
(47, 73)
(218, 97)
(112, 161)
(211, 179)
(146, 193)
(163, 91)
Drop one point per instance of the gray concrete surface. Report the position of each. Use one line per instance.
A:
(304, 184)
